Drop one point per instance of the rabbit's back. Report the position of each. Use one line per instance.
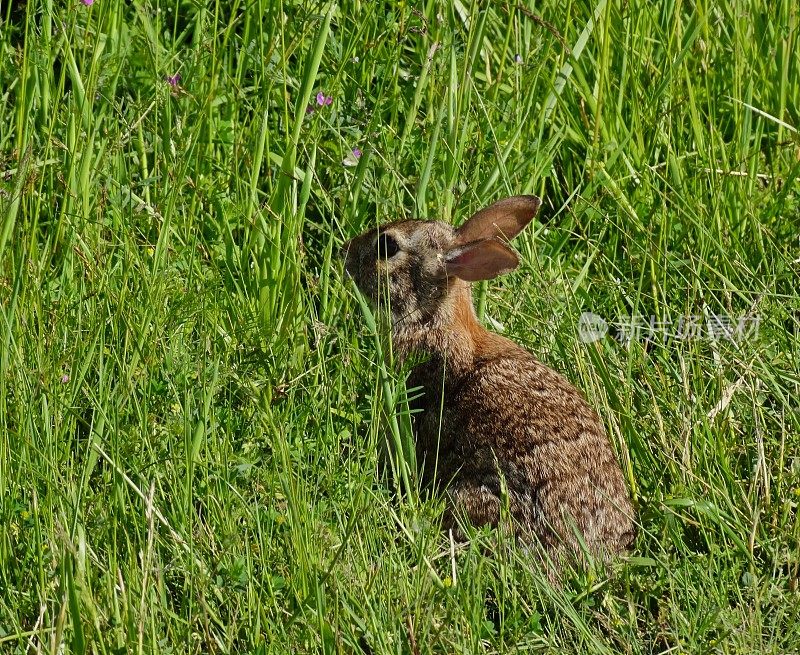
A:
(510, 419)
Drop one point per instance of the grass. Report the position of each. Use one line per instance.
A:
(193, 417)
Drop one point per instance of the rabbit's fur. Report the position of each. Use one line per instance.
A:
(492, 416)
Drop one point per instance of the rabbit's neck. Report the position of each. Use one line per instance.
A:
(451, 335)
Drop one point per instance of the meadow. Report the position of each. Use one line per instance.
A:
(203, 438)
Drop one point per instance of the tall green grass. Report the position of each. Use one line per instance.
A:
(192, 407)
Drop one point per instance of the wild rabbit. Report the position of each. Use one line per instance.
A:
(491, 412)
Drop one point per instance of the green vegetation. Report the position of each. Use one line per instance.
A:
(193, 423)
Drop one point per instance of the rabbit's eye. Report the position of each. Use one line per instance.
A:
(387, 246)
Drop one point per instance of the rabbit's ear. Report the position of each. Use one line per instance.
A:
(504, 220)
(480, 260)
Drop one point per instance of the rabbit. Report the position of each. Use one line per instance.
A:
(492, 422)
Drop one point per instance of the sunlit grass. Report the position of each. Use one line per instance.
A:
(196, 430)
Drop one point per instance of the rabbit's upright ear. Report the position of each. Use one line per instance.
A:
(480, 260)
(503, 220)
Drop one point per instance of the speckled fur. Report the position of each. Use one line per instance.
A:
(492, 417)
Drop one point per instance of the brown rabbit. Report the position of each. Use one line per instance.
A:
(491, 414)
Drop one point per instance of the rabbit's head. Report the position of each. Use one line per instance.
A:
(415, 268)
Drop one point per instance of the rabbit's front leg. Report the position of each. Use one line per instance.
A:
(473, 503)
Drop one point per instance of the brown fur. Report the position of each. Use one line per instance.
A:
(491, 414)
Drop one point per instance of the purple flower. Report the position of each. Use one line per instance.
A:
(65, 377)
(322, 101)
(353, 157)
(173, 80)
(88, 3)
